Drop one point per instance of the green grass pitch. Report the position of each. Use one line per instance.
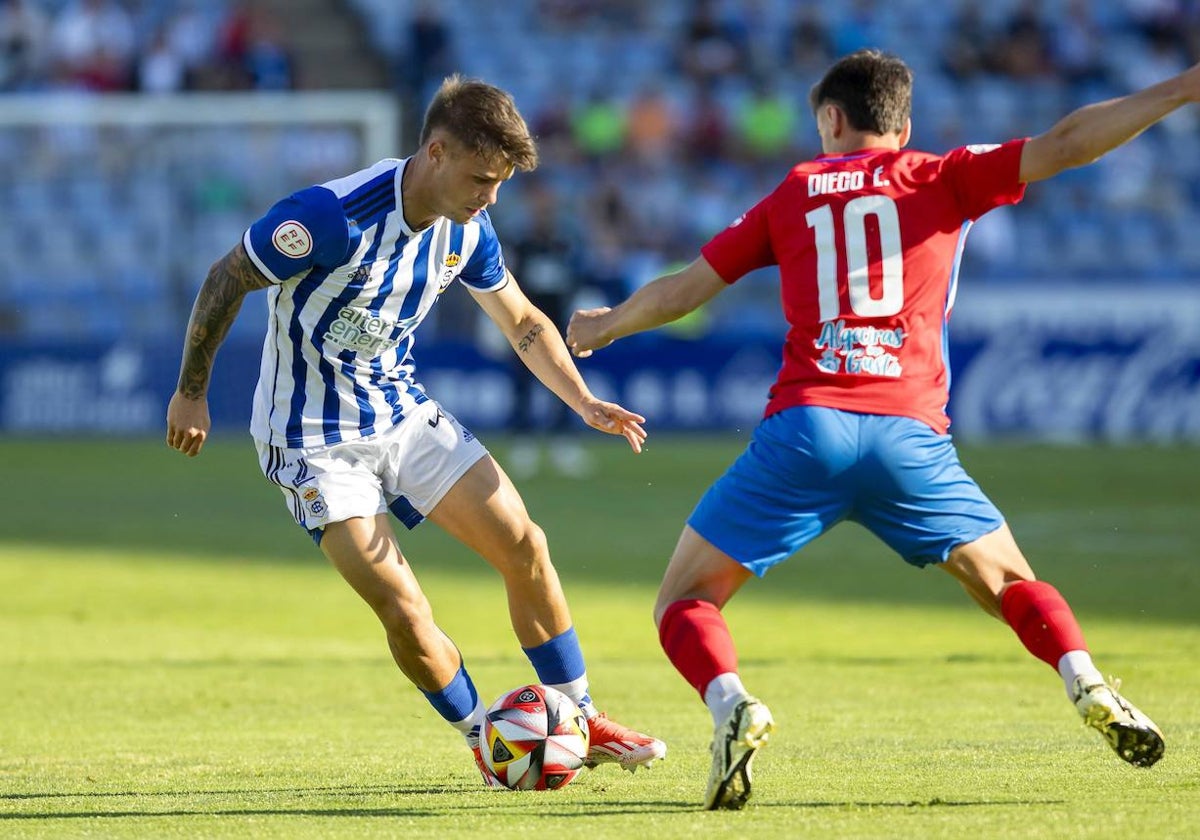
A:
(177, 660)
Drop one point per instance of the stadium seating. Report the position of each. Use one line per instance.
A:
(129, 240)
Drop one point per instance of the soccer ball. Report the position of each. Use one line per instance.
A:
(534, 738)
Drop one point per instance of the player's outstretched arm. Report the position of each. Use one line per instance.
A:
(536, 340)
(1093, 130)
(217, 304)
(658, 302)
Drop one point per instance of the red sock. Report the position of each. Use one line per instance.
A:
(697, 641)
(1042, 619)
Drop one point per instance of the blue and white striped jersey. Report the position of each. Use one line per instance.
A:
(351, 282)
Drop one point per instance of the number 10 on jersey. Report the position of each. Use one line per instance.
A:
(858, 280)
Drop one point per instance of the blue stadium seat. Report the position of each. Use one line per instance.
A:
(145, 230)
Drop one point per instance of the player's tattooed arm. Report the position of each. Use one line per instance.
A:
(217, 304)
(526, 341)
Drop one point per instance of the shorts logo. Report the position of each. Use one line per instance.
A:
(467, 435)
(292, 239)
(982, 148)
(312, 497)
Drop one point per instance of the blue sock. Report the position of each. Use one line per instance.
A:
(458, 702)
(559, 664)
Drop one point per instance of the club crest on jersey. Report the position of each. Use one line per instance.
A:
(449, 272)
(292, 239)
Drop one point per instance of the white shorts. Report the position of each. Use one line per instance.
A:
(406, 469)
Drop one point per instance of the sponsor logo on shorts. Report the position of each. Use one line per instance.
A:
(982, 148)
(292, 239)
(467, 435)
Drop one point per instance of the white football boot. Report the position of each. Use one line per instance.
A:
(1131, 734)
(734, 743)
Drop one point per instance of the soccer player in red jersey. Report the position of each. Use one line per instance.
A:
(867, 238)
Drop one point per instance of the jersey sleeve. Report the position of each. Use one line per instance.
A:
(984, 177)
(743, 246)
(305, 230)
(485, 271)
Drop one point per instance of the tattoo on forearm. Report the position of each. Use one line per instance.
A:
(529, 338)
(217, 304)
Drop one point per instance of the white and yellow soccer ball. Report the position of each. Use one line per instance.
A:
(534, 738)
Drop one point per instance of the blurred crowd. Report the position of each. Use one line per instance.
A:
(658, 122)
(151, 46)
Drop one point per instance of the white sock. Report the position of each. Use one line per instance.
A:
(472, 724)
(1075, 664)
(577, 690)
(723, 694)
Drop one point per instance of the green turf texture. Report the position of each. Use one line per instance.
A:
(177, 660)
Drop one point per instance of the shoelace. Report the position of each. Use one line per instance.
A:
(1114, 684)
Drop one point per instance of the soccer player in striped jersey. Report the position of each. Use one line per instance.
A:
(343, 425)
(867, 238)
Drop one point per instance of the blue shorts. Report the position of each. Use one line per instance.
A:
(808, 468)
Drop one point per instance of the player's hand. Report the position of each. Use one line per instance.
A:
(187, 424)
(611, 418)
(585, 332)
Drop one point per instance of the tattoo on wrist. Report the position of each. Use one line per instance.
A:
(529, 338)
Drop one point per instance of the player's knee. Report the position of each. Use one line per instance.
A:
(405, 618)
(526, 555)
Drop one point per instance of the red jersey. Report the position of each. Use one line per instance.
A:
(868, 246)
